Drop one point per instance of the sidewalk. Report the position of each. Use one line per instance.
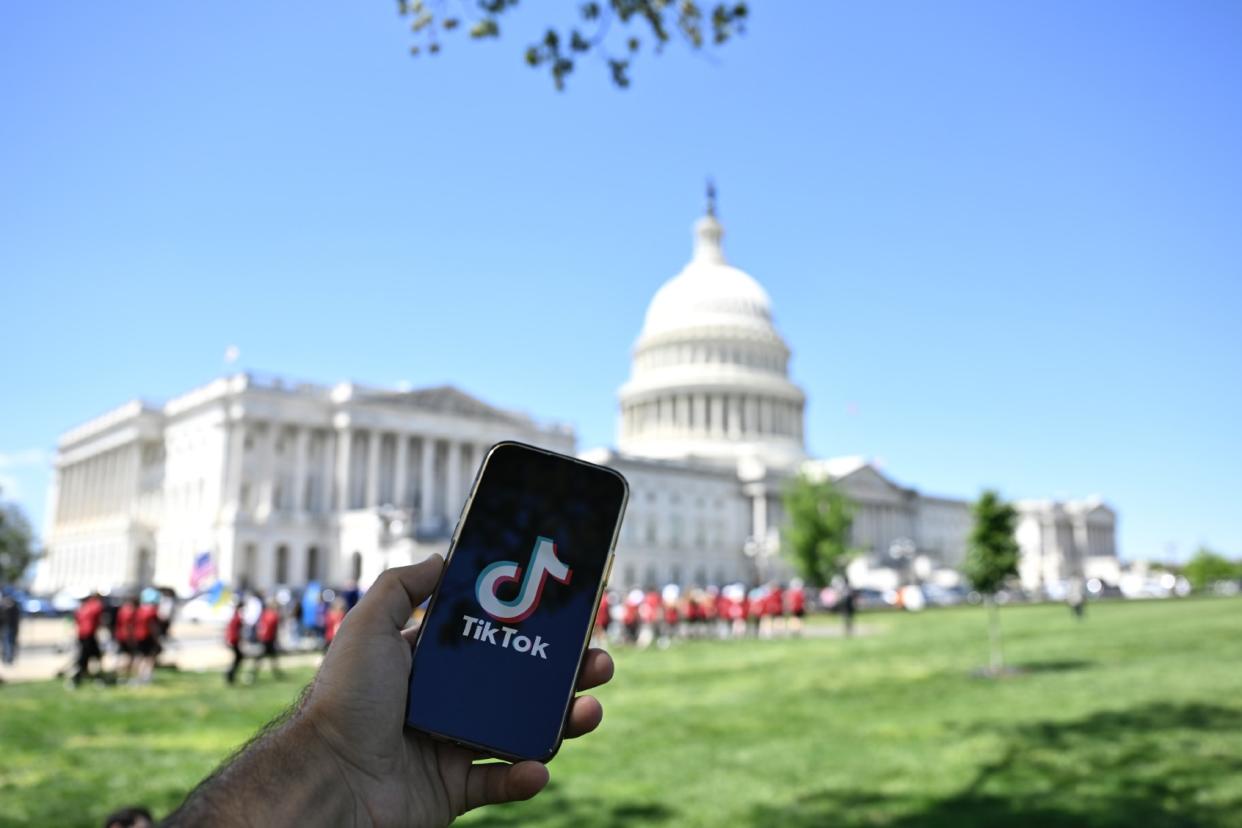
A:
(47, 647)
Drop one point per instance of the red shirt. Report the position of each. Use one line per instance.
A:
(87, 617)
(775, 603)
(125, 623)
(144, 620)
(331, 621)
(601, 617)
(268, 622)
(630, 615)
(232, 633)
(797, 600)
(670, 614)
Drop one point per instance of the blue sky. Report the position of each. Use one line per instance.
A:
(1003, 240)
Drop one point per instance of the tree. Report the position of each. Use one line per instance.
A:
(817, 533)
(991, 560)
(17, 549)
(615, 30)
(1208, 567)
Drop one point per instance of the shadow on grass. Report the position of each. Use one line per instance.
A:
(1157, 765)
(1064, 665)
(552, 807)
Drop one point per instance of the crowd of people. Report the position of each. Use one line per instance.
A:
(136, 627)
(646, 617)
(260, 626)
(118, 640)
(131, 632)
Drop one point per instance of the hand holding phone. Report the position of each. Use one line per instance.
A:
(500, 647)
(342, 755)
(357, 699)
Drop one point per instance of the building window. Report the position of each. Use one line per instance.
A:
(146, 567)
(282, 564)
(312, 563)
(355, 566)
(249, 563)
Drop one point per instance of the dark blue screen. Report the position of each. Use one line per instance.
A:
(499, 674)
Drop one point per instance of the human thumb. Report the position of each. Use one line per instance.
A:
(394, 595)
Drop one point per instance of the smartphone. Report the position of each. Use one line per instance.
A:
(497, 656)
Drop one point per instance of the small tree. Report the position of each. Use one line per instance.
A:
(1208, 567)
(17, 550)
(817, 533)
(991, 560)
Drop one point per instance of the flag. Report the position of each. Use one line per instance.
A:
(202, 571)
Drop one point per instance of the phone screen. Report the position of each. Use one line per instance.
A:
(498, 655)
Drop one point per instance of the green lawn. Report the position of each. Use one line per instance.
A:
(1133, 718)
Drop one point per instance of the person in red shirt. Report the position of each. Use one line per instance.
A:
(232, 637)
(87, 620)
(146, 632)
(649, 616)
(774, 610)
(332, 621)
(599, 634)
(629, 615)
(672, 617)
(266, 631)
(123, 635)
(795, 601)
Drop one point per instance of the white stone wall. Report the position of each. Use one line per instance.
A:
(277, 482)
(684, 524)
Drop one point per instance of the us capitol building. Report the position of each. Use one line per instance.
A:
(282, 483)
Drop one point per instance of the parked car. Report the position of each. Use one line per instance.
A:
(938, 596)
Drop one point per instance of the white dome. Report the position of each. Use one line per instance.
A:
(710, 373)
(708, 293)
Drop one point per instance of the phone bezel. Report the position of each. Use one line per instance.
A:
(488, 750)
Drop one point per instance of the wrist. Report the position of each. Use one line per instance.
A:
(288, 775)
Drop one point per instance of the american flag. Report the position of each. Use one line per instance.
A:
(202, 571)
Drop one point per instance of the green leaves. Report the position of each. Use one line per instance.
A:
(698, 24)
(992, 553)
(1207, 568)
(17, 546)
(817, 534)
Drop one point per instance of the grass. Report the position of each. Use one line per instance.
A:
(1133, 717)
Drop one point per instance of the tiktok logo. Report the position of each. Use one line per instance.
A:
(543, 563)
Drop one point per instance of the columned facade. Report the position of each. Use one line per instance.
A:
(278, 483)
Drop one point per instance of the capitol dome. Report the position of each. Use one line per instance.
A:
(710, 371)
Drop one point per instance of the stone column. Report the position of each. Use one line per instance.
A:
(398, 472)
(326, 462)
(79, 490)
(759, 513)
(267, 470)
(234, 454)
(452, 481)
(717, 404)
(344, 440)
(735, 417)
(301, 460)
(426, 501)
(371, 499)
